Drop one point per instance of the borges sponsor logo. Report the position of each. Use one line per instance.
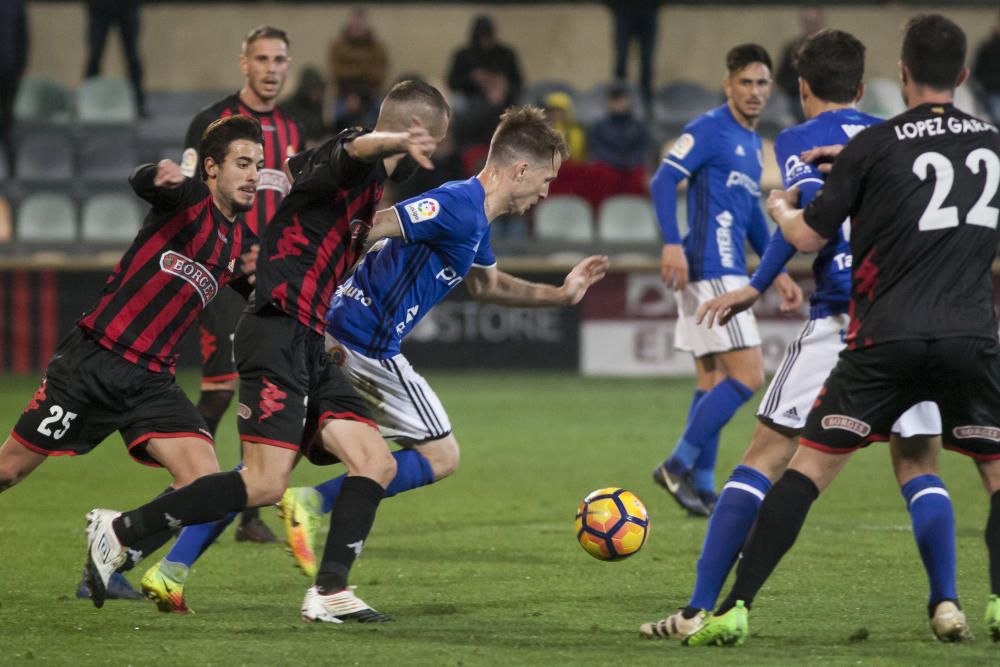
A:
(845, 423)
(977, 432)
(192, 272)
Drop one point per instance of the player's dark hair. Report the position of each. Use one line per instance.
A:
(265, 32)
(525, 133)
(744, 54)
(415, 91)
(832, 62)
(934, 51)
(221, 133)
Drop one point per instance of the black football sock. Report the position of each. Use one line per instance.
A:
(208, 498)
(350, 523)
(147, 545)
(993, 542)
(778, 524)
(212, 405)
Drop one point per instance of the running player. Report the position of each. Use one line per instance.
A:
(923, 325)
(721, 157)
(293, 399)
(264, 61)
(438, 239)
(114, 371)
(831, 69)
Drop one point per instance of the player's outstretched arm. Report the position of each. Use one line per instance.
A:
(723, 308)
(416, 141)
(158, 184)
(494, 286)
(782, 207)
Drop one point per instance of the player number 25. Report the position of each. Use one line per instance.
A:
(941, 217)
(58, 414)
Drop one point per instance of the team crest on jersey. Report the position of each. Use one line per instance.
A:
(424, 209)
(795, 168)
(338, 355)
(682, 146)
(845, 423)
(193, 273)
(977, 432)
(189, 162)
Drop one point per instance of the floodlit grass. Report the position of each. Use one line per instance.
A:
(483, 568)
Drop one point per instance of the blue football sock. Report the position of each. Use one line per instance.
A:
(193, 540)
(728, 528)
(685, 451)
(934, 531)
(713, 411)
(704, 465)
(412, 471)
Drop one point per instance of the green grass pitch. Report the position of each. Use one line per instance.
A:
(483, 568)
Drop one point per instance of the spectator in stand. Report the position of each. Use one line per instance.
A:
(475, 67)
(306, 106)
(986, 71)
(474, 125)
(812, 20)
(619, 140)
(636, 19)
(13, 60)
(358, 61)
(101, 14)
(559, 107)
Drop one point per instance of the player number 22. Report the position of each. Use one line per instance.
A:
(58, 415)
(937, 216)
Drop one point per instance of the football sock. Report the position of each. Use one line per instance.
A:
(728, 527)
(713, 411)
(195, 539)
(934, 532)
(413, 470)
(350, 524)
(993, 543)
(206, 499)
(703, 474)
(212, 405)
(686, 451)
(778, 523)
(148, 545)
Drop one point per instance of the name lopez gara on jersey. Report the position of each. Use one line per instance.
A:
(932, 127)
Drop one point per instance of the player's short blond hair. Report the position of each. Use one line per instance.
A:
(524, 133)
(264, 32)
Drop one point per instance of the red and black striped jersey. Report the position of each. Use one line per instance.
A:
(185, 252)
(282, 139)
(319, 231)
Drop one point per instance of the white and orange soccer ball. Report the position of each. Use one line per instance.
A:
(612, 524)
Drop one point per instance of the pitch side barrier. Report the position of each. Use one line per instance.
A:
(624, 327)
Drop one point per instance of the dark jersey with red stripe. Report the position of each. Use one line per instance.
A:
(921, 190)
(185, 252)
(319, 231)
(282, 140)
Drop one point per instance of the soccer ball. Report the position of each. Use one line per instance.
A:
(612, 524)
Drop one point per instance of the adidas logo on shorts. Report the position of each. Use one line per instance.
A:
(791, 413)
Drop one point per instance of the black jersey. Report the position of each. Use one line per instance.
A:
(921, 192)
(185, 252)
(319, 231)
(282, 139)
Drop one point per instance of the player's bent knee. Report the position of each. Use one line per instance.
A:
(443, 454)
(769, 452)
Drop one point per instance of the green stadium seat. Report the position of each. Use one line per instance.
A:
(46, 217)
(45, 157)
(627, 219)
(111, 217)
(564, 218)
(105, 101)
(43, 102)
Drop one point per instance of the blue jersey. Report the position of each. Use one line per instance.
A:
(832, 267)
(444, 234)
(722, 161)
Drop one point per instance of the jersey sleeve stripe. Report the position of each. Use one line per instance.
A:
(806, 180)
(399, 221)
(484, 266)
(677, 166)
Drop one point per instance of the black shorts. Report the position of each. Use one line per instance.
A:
(216, 329)
(289, 386)
(89, 392)
(870, 388)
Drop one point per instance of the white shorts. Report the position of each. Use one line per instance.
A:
(405, 407)
(805, 367)
(741, 332)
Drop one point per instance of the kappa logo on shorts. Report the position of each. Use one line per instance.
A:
(845, 423)
(244, 411)
(208, 346)
(37, 399)
(192, 273)
(976, 432)
(270, 400)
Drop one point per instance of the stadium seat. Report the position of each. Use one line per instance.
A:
(46, 217)
(106, 155)
(182, 103)
(105, 101)
(111, 217)
(163, 129)
(627, 218)
(882, 98)
(564, 218)
(43, 102)
(680, 102)
(45, 157)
